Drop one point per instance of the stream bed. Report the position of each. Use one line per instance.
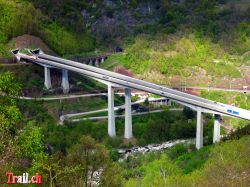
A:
(149, 148)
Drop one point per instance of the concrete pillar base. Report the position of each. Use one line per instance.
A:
(111, 113)
(65, 81)
(217, 124)
(128, 116)
(199, 130)
(47, 79)
(96, 63)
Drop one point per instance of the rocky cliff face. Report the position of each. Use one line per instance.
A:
(113, 13)
(112, 20)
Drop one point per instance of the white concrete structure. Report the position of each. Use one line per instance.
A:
(217, 124)
(128, 117)
(96, 63)
(111, 112)
(47, 79)
(169, 102)
(199, 129)
(65, 81)
(91, 63)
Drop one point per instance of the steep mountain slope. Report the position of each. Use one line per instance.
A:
(167, 41)
(18, 17)
(183, 59)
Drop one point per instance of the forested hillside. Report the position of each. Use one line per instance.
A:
(166, 41)
(175, 43)
(21, 17)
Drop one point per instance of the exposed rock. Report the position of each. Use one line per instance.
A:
(123, 71)
(150, 148)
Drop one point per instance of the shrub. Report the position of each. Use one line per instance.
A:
(177, 150)
(189, 162)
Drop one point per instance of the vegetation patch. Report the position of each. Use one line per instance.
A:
(20, 17)
(241, 100)
(172, 55)
(218, 169)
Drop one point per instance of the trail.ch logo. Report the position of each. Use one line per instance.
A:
(23, 179)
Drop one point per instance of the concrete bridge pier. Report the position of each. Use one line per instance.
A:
(169, 102)
(217, 124)
(199, 129)
(128, 116)
(102, 60)
(65, 81)
(96, 63)
(111, 112)
(47, 79)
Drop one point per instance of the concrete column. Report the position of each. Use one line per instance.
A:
(96, 63)
(65, 81)
(199, 129)
(217, 124)
(128, 117)
(169, 102)
(47, 79)
(102, 60)
(111, 113)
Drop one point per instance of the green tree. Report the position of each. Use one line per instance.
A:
(90, 157)
(229, 164)
(32, 147)
(188, 113)
(159, 171)
(58, 173)
(31, 141)
(10, 118)
(112, 176)
(9, 113)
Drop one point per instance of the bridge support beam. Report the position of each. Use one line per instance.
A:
(47, 79)
(199, 129)
(65, 81)
(111, 112)
(217, 124)
(128, 116)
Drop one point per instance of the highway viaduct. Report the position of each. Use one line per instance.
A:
(114, 80)
(94, 61)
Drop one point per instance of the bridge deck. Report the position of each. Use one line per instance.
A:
(129, 82)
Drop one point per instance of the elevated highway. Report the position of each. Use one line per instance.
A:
(114, 80)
